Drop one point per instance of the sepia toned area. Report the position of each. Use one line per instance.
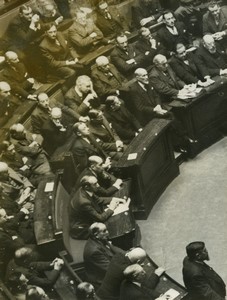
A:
(113, 122)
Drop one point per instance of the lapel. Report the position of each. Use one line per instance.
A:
(222, 21)
(15, 176)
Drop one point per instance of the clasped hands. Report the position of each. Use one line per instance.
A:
(115, 202)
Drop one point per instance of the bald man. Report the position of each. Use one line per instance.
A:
(107, 80)
(18, 77)
(212, 60)
(110, 287)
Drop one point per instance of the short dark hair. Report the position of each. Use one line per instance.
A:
(212, 3)
(167, 12)
(193, 248)
(24, 7)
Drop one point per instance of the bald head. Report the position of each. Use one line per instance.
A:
(136, 255)
(4, 89)
(43, 100)
(141, 75)
(56, 113)
(160, 61)
(3, 167)
(11, 57)
(209, 43)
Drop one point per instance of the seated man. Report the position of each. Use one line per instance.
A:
(24, 29)
(86, 208)
(82, 96)
(125, 57)
(58, 60)
(146, 12)
(144, 103)
(85, 290)
(201, 281)
(16, 74)
(136, 286)
(104, 134)
(122, 120)
(108, 183)
(215, 21)
(149, 46)
(111, 283)
(164, 80)
(30, 146)
(14, 184)
(109, 21)
(172, 33)
(8, 102)
(212, 60)
(107, 79)
(84, 35)
(98, 252)
(185, 65)
(42, 113)
(85, 145)
(55, 131)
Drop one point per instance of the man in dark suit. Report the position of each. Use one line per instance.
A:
(125, 56)
(57, 58)
(164, 80)
(98, 252)
(55, 131)
(215, 22)
(109, 21)
(110, 287)
(144, 102)
(82, 96)
(86, 208)
(122, 120)
(107, 79)
(172, 33)
(201, 281)
(212, 60)
(85, 145)
(185, 66)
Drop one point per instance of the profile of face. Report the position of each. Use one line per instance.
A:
(103, 233)
(19, 132)
(203, 254)
(181, 52)
(162, 64)
(52, 33)
(140, 275)
(36, 292)
(142, 76)
(85, 86)
(81, 18)
(122, 42)
(103, 8)
(146, 34)
(3, 216)
(214, 10)
(97, 167)
(56, 116)
(103, 64)
(115, 104)
(83, 129)
(44, 100)
(12, 57)
(5, 90)
(27, 14)
(4, 172)
(93, 184)
(169, 19)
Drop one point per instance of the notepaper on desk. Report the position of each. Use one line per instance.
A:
(122, 207)
(171, 294)
(132, 156)
(49, 187)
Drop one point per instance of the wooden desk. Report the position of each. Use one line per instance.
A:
(153, 168)
(205, 116)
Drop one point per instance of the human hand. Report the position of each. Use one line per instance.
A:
(144, 21)
(31, 80)
(223, 72)
(35, 19)
(119, 200)
(93, 34)
(119, 145)
(70, 62)
(59, 20)
(84, 119)
(131, 61)
(32, 97)
(117, 184)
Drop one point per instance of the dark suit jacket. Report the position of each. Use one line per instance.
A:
(119, 57)
(169, 40)
(142, 103)
(80, 39)
(188, 73)
(85, 210)
(167, 86)
(209, 25)
(55, 55)
(104, 83)
(17, 78)
(202, 282)
(97, 257)
(210, 64)
(81, 150)
(123, 122)
(111, 27)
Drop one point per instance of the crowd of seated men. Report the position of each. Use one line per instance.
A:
(105, 106)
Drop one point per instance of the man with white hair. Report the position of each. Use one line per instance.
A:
(212, 60)
(98, 252)
(110, 287)
(55, 131)
(107, 79)
(17, 76)
(84, 35)
(82, 97)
